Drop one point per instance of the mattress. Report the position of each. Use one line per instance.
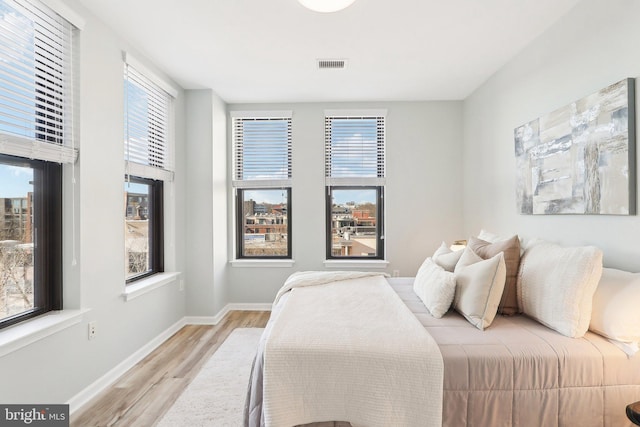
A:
(520, 373)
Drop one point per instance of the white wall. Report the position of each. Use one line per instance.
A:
(57, 368)
(206, 235)
(423, 193)
(589, 49)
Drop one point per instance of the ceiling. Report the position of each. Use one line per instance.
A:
(266, 50)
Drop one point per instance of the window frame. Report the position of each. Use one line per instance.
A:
(156, 226)
(341, 180)
(380, 238)
(41, 134)
(47, 232)
(148, 151)
(240, 225)
(272, 180)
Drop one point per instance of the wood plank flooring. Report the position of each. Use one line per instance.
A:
(143, 394)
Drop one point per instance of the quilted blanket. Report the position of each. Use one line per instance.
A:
(348, 350)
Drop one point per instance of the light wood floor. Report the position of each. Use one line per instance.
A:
(143, 394)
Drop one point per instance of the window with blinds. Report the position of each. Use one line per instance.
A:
(262, 151)
(149, 163)
(262, 179)
(36, 139)
(147, 120)
(355, 179)
(36, 82)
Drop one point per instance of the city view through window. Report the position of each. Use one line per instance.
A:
(136, 228)
(354, 223)
(265, 223)
(16, 240)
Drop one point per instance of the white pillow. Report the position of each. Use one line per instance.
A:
(479, 286)
(435, 287)
(446, 258)
(488, 236)
(616, 312)
(555, 285)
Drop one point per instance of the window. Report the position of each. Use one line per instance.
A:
(143, 227)
(149, 164)
(262, 181)
(355, 180)
(264, 216)
(37, 139)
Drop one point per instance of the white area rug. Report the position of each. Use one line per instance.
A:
(216, 395)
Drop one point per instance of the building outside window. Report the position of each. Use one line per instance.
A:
(355, 183)
(36, 77)
(262, 183)
(144, 237)
(149, 164)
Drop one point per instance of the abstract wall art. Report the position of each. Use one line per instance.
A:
(580, 159)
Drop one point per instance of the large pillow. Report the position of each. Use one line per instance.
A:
(479, 286)
(435, 287)
(511, 249)
(446, 258)
(616, 311)
(556, 285)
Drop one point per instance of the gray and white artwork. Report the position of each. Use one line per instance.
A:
(580, 159)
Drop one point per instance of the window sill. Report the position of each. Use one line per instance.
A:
(257, 263)
(356, 263)
(148, 284)
(21, 335)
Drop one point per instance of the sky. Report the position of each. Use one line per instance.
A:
(340, 197)
(14, 181)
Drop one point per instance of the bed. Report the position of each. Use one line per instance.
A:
(517, 372)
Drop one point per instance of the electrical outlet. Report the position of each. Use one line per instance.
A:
(396, 273)
(92, 330)
(181, 285)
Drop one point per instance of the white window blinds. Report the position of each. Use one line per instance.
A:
(261, 150)
(36, 82)
(147, 149)
(354, 149)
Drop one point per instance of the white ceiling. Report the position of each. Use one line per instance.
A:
(266, 50)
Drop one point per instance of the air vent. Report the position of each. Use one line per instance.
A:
(331, 64)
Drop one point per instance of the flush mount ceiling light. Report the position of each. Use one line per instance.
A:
(326, 5)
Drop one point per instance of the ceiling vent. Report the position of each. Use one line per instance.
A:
(331, 64)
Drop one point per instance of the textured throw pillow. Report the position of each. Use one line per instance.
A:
(616, 314)
(556, 285)
(435, 287)
(479, 286)
(446, 258)
(511, 249)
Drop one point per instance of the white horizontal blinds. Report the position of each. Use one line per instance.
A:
(36, 82)
(147, 125)
(355, 150)
(262, 152)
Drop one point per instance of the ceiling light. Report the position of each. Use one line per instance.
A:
(326, 5)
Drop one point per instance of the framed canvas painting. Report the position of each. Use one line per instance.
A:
(580, 159)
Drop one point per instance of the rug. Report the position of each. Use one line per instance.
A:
(216, 395)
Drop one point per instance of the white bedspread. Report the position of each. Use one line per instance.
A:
(350, 351)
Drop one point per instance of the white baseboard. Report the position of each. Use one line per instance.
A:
(214, 320)
(249, 306)
(80, 399)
